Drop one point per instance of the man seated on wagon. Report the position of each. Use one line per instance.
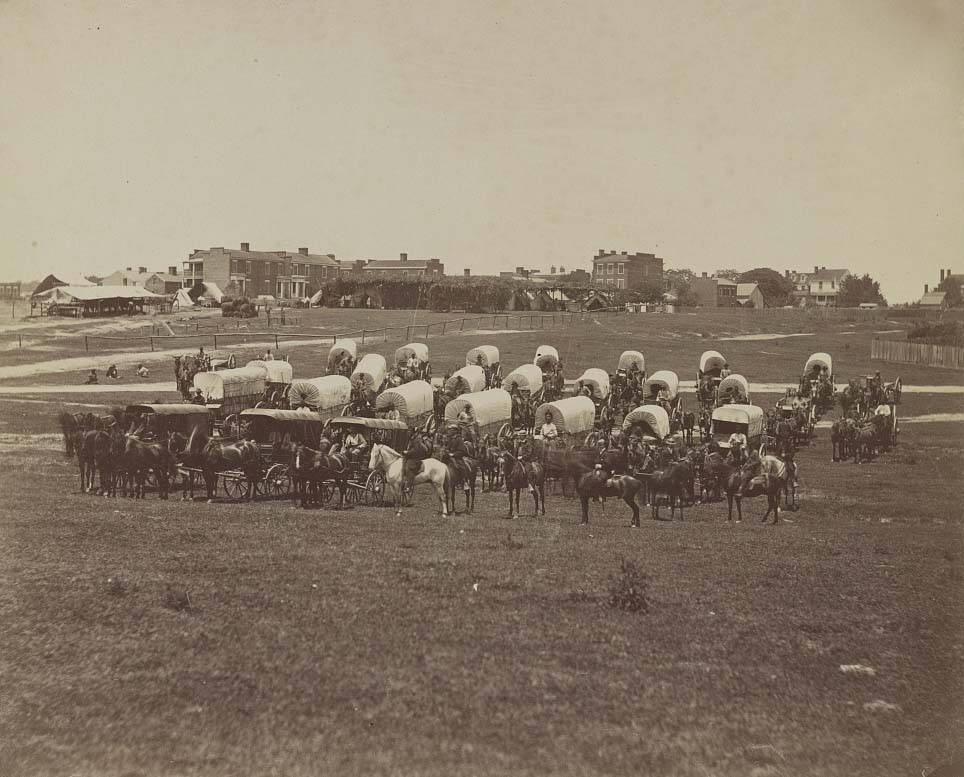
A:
(585, 390)
(725, 372)
(467, 423)
(737, 455)
(663, 400)
(548, 429)
(198, 398)
(356, 445)
(413, 364)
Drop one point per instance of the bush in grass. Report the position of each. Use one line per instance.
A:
(179, 601)
(629, 590)
(117, 586)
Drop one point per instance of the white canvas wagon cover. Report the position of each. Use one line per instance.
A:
(278, 371)
(489, 354)
(419, 349)
(546, 356)
(238, 382)
(663, 379)
(413, 400)
(340, 349)
(470, 378)
(819, 360)
(736, 384)
(328, 393)
(652, 416)
(749, 416)
(711, 361)
(527, 377)
(598, 379)
(572, 415)
(488, 407)
(370, 372)
(629, 358)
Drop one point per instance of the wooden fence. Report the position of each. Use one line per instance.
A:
(918, 353)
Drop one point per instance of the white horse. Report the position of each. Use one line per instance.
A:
(389, 462)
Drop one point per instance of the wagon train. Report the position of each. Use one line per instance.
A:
(411, 363)
(481, 413)
(487, 358)
(525, 386)
(413, 403)
(662, 388)
(366, 485)
(227, 392)
(328, 396)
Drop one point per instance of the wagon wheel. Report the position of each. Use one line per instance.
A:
(348, 410)
(355, 493)
(232, 361)
(375, 489)
(431, 425)
(326, 491)
(505, 432)
(234, 485)
(229, 427)
(276, 482)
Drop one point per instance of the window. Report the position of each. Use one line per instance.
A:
(621, 268)
(820, 285)
(609, 269)
(247, 267)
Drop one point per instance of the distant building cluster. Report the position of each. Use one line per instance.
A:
(819, 288)
(625, 270)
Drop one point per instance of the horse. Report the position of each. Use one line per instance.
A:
(215, 457)
(457, 477)
(864, 442)
(782, 468)
(388, 461)
(489, 464)
(673, 481)
(310, 468)
(689, 421)
(514, 474)
(89, 446)
(839, 440)
(705, 424)
(596, 484)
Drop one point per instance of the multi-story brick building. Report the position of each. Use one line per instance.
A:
(279, 273)
(715, 292)
(626, 271)
(403, 267)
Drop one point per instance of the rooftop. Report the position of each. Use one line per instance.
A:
(829, 275)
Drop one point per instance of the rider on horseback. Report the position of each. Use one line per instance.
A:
(419, 448)
(527, 454)
(457, 450)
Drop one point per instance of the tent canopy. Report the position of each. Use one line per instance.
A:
(277, 370)
(468, 379)
(488, 408)
(413, 400)
(628, 358)
(737, 385)
(213, 291)
(663, 379)
(573, 415)
(328, 393)
(598, 379)
(419, 349)
(370, 372)
(489, 354)
(711, 361)
(95, 293)
(341, 349)
(652, 417)
(546, 357)
(819, 360)
(526, 377)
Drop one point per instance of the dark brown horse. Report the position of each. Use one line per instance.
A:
(464, 476)
(214, 457)
(598, 484)
(514, 474)
(311, 469)
(675, 481)
(142, 458)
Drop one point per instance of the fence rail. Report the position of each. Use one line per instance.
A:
(907, 352)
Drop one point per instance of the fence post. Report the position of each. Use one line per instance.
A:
(152, 343)
(20, 340)
(363, 332)
(86, 346)
(215, 340)
(276, 341)
(461, 324)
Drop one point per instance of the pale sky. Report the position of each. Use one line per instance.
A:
(488, 134)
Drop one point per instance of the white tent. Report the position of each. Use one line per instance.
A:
(183, 301)
(211, 290)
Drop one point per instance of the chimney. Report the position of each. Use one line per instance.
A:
(704, 275)
(786, 274)
(466, 272)
(942, 275)
(142, 270)
(303, 251)
(562, 270)
(245, 246)
(602, 252)
(128, 269)
(552, 269)
(403, 257)
(519, 271)
(331, 256)
(172, 270)
(925, 288)
(823, 268)
(623, 253)
(816, 269)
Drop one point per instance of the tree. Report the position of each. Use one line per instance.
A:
(952, 292)
(649, 291)
(728, 274)
(679, 282)
(854, 291)
(777, 291)
(682, 275)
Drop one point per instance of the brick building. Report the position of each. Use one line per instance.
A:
(403, 267)
(626, 271)
(281, 274)
(715, 292)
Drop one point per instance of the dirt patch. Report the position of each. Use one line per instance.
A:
(770, 336)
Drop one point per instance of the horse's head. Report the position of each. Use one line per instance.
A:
(376, 456)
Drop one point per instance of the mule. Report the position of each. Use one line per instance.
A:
(597, 484)
(388, 461)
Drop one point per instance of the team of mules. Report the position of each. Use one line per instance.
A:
(861, 438)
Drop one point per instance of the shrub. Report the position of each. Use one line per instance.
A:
(937, 332)
(629, 590)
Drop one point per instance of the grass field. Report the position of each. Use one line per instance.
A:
(193, 639)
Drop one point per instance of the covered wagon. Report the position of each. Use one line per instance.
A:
(648, 421)
(490, 412)
(160, 420)
(547, 358)
(574, 418)
(487, 357)
(527, 378)
(422, 369)
(711, 365)
(465, 381)
(733, 389)
(228, 392)
(370, 373)
(631, 361)
(328, 396)
(279, 374)
(412, 402)
(817, 381)
(598, 380)
(342, 357)
(816, 365)
(738, 419)
(662, 388)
